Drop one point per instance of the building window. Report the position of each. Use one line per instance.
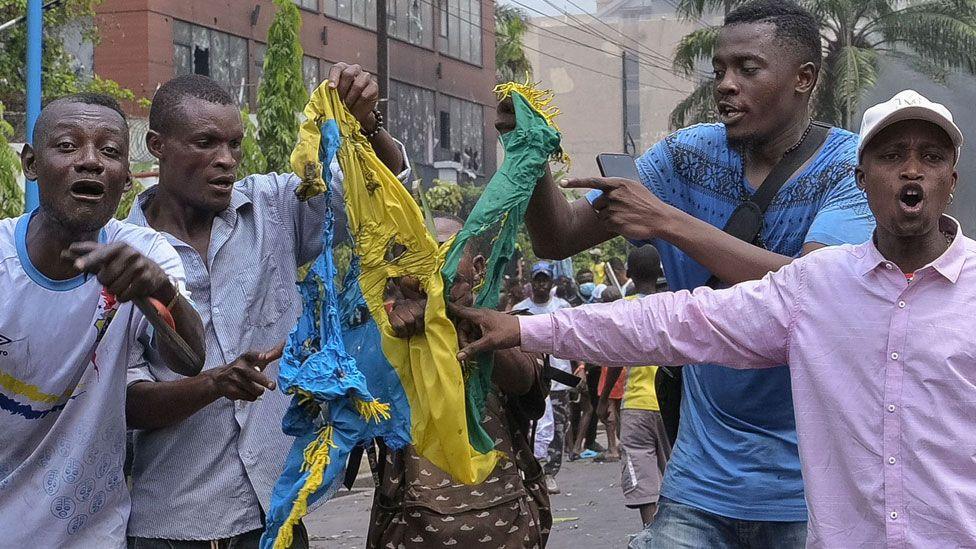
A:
(411, 117)
(310, 72)
(312, 5)
(221, 56)
(460, 33)
(411, 21)
(357, 12)
(462, 132)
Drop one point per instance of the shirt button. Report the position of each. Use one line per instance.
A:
(888, 266)
(891, 460)
(894, 356)
(901, 304)
(891, 407)
(216, 310)
(893, 515)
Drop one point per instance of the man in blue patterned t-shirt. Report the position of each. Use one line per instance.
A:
(734, 477)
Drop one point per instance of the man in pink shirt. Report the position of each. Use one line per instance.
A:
(883, 371)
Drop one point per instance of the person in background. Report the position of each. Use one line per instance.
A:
(644, 441)
(416, 505)
(539, 303)
(208, 450)
(69, 330)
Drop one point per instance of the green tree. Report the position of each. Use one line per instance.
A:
(59, 75)
(511, 64)
(281, 94)
(11, 195)
(934, 37)
(252, 159)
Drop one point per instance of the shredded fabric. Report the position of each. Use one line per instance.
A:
(405, 391)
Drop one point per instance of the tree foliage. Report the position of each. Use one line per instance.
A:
(281, 94)
(59, 75)
(252, 159)
(11, 195)
(934, 37)
(511, 64)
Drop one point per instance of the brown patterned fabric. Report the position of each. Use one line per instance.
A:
(419, 506)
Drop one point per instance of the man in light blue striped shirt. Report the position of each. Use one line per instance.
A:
(208, 450)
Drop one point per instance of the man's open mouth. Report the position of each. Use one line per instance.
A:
(87, 190)
(911, 198)
(729, 113)
(223, 184)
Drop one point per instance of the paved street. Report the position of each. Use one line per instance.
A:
(590, 506)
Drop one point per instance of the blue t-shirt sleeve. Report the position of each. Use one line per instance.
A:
(843, 218)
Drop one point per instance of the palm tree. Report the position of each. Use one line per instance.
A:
(934, 37)
(511, 65)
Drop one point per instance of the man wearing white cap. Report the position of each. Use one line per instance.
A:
(883, 369)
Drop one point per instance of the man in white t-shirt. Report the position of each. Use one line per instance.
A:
(543, 302)
(69, 331)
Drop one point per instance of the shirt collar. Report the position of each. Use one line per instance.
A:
(949, 264)
(137, 216)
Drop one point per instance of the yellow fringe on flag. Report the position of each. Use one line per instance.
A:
(372, 410)
(540, 101)
(316, 460)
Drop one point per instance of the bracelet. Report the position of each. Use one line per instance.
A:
(379, 125)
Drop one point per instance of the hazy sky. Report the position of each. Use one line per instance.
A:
(541, 5)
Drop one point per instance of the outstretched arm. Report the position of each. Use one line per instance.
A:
(746, 326)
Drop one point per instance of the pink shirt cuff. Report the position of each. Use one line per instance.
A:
(537, 333)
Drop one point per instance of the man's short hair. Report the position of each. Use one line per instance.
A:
(644, 264)
(85, 98)
(796, 27)
(169, 98)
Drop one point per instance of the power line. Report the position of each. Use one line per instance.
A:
(666, 87)
(653, 54)
(586, 29)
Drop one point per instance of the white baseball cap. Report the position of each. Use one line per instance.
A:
(907, 105)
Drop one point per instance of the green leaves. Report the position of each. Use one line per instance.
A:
(11, 195)
(932, 36)
(510, 61)
(281, 94)
(697, 108)
(252, 159)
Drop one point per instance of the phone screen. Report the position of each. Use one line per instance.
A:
(617, 165)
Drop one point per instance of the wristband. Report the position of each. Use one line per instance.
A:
(378, 116)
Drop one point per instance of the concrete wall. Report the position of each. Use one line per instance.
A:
(588, 82)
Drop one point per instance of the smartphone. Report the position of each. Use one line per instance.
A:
(617, 165)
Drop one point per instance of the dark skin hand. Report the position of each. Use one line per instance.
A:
(762, 90)
(603, 405)
(498, 330)
(127, 274)
(157, 405)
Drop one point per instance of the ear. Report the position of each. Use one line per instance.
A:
(806, 78)
(859, 177)
(27, 159)
(154, 142)
(128, 182)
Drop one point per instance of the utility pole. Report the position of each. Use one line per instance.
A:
(35, 44)
(382, 55)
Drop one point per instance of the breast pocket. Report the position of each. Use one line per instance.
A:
(264, 292)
